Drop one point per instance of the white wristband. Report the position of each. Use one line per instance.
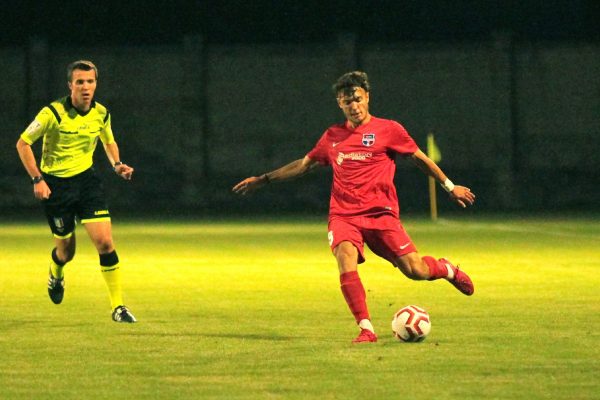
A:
(448, 185)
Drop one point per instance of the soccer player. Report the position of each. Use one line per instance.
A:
(364, 206)
(67, 184)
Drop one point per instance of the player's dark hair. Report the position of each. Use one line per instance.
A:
(83, 65)
(349, 81)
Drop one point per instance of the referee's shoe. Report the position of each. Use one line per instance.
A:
(122, 314)
(56, 288)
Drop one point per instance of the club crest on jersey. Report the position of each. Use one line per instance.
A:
(58, 223)
(368, 139)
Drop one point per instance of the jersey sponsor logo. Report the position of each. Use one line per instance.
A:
(360, 156)
(368, 139)
(101, 212)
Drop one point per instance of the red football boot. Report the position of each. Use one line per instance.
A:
(461, 280)
(364, 336)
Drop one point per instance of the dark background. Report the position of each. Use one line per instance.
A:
(119, 22)
(203, 94)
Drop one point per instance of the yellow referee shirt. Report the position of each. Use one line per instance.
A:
(70, 137)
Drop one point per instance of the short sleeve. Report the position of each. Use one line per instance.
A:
(320, 153)
(400, 141)
(38, 127)
(106, 135)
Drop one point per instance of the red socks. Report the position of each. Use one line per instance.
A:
(354, 293)
(437, 270)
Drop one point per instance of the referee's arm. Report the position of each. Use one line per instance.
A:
(40, 188)
(121, 169)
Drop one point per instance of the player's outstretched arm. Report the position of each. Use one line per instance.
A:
(289, 171)
(461, 195)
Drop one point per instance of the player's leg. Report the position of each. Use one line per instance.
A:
(427, 267)
(346, 243)
(393, 243)
(100, 232)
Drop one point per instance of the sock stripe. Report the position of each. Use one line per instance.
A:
(109, 259)
(56, 260)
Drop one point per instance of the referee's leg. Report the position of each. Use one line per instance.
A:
(62, 253)
(65, 248)
(100, 232)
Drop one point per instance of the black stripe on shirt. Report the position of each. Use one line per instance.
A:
(51, 107)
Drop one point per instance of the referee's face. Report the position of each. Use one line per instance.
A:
(82, 86)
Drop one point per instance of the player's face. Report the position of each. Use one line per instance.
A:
(355, 106)
(82, 86)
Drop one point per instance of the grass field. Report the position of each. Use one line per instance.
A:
(235, 310)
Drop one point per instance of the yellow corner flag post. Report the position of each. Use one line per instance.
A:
(434, 153)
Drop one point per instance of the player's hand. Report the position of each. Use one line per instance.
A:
(462, 196)
(41, 191)
(249, 185)
(124, 171)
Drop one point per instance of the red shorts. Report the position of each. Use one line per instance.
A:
(384, 235)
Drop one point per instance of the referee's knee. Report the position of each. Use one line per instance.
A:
(105, 246)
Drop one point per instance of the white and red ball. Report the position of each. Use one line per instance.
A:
(411, 324)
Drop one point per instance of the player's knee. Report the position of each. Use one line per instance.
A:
(345, 250)
(347, 257)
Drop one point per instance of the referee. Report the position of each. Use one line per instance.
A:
(67, 184)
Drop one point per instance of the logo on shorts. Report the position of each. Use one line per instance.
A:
(101, 212)
(330, 237)
(368, 139)
(59, 224)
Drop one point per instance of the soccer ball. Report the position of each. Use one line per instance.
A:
(411, 324)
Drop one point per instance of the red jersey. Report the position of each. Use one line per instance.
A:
(363, 162)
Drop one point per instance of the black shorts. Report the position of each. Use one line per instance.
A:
(78, 197)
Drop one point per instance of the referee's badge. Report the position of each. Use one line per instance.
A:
(58, 223)
(368, 139)
(33, 126)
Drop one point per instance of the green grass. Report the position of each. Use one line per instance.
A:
(252, 309)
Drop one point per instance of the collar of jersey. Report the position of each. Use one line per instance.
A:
(355, 130)
(70, 105)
